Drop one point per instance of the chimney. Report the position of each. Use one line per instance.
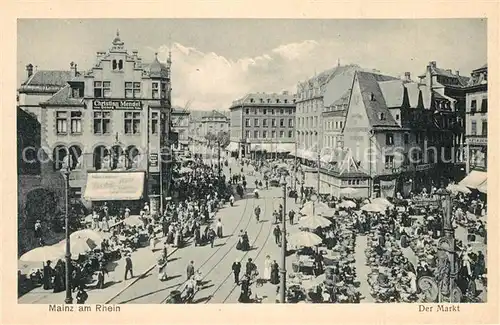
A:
(285, 92)
(457, 72)
(73, 68)
(449, 71)
(29, 70)
(407, 76)
(135, 54)
(432, 64)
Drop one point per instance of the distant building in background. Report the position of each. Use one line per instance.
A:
(326, 92)
(181, 126)
(476, 133)
(263, 124)
(213, 123)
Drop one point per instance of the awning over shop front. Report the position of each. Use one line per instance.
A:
(115, 186)
(233, 147)
(285, 147)
(483, 188)
(474, 180)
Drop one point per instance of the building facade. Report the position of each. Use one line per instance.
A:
(111, 125)
(325, 92)
(213, 123)
(263, 124)
(476, 134)
(180, 126)
(399, 132)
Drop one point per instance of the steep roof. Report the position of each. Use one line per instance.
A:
(214, 114)
(49, 78)
(393, 92)
(63, 98)
(373, 99)
(156, 69)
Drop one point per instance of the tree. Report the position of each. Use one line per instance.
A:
(223, 139)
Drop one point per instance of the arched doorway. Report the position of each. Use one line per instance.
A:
(58, 156)
(132, 156)
(76, 157)
(101, 154)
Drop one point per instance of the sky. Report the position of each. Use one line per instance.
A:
(216, 61)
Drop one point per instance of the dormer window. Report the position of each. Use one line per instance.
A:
(381, 116)
(251, 100)
(286, 101)
(120, 65)
(268, 100)
(277, 101)
(261, 100)
(372, 97)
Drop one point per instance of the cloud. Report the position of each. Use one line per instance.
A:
(212, 81)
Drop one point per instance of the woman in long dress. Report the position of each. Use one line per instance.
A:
(267, 268)
(274, 273)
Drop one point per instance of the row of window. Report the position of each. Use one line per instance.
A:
(102, 89)
(308, 122)
(484, 128)
(265, 111)
(338, 124)
(308, 107)
(269, 101)
(102, 122)
(483, 108)
(256, 122)
(256, 134)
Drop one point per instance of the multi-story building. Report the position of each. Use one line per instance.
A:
(477, 129)
(451, 85)
(398, 133)
(195, 129)
(180, 127)
(213, 123)
(111, 125)
(263, 124)
(333, 119)
(328, 89)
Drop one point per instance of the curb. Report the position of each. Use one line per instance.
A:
(137, 278)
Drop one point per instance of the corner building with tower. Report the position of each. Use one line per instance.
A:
(111, 124)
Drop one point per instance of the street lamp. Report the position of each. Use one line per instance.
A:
(66, 171)
(283, 245)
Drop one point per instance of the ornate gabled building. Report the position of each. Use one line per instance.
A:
(400, 133)
(111, 125)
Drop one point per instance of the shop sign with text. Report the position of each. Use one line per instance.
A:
(117, 104)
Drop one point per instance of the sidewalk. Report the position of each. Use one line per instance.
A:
(143, 260)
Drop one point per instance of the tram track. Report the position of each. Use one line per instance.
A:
(246, 253)
(219, 248)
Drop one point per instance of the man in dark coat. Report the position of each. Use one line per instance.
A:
(190, 270)
(277, 235)
(250, 267)
(47, 276)
(291, 216)
(236, 271)
(128, 266)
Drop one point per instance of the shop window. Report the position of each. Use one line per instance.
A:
(155, 92)
(102, 122)
(76, 122)
(389, 161)
(132, 89)
(76, 157)
(102, 89)
(117, 158)
(154, 122)
(101, 157)
(62, 122)
(389, 139)
(484, 128)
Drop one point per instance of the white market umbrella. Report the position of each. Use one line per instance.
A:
(43, 254)
(347, 204)
(457, 188)
(382, 202)
(372, 207)
(312, 208)
(348, 191)
(483, 188)
(314, 222)
(185, 170)
(78, 246)
(133, 221)
(85, 234)
(304, 239)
